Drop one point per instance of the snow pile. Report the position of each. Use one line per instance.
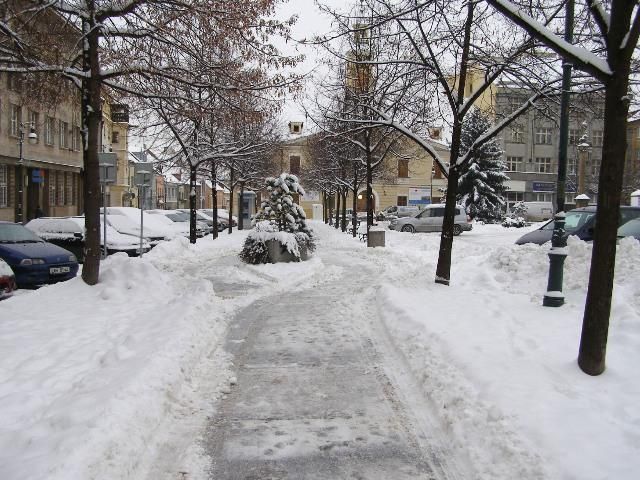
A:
(89, 373)
(500, 370)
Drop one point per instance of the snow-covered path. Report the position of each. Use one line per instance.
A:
(312, 399)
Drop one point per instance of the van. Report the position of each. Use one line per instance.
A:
(430, 220)
(538, 211)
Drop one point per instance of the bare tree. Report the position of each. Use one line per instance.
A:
(616, 28)
(111, 41)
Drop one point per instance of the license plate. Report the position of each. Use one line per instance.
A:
(59, 270)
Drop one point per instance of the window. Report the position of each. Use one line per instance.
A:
(570, 198)
(543, 197)
(597, 138)
(16, 118)
(574, 136)
(543, 136)
(571, 166)
(14, 81)
(60, 189)
(52, 188)
(403, 168)
(68, 188)
(49, 127)
(75, 138)
(543, 164)
(4, 180)
(402, 200)
(294, 165)
(115, 137)
(595, 167)
(517, 134)
(63, 129)
(513, 197)
(514, 164)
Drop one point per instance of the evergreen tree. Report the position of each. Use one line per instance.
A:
(481, 187)
(279, 207)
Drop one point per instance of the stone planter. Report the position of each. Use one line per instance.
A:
(279, 253)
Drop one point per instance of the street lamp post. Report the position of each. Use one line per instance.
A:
(558, 253)
(20, 180)
(104, 181)
(141, 187)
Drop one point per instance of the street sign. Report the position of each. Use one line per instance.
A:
(143, 173)
(108, 162)
(37, 175)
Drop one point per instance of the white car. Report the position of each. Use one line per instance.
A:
(69, 233)
(127, 220)
(180, 220)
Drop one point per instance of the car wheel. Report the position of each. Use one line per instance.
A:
(457, 230)
(408, 228)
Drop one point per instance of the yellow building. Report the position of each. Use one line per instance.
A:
(412, 182)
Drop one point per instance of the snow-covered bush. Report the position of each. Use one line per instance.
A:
(281, 220)
(514, 221)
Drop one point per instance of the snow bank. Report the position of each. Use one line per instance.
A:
(501, 370)
(88, 373)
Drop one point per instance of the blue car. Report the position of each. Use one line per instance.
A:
(34, 261)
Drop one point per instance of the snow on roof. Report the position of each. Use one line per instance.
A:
(583, 196)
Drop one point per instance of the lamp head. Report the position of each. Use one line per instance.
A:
(33, 136)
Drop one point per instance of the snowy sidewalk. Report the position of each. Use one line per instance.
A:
(312, 400)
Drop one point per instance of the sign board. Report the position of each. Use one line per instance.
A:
(108, 162)
(37, 175)
(142, 178)
(543, 186)
(419, 196)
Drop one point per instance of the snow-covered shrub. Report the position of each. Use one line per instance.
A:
(516, 222)
(257, 248)
(281, 220)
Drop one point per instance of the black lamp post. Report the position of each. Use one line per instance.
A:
(32, 139)
(558, 253)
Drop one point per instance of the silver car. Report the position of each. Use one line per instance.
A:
(430, 220)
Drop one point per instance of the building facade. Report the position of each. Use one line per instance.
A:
(40, 154)
(531, 147)
(412, 178)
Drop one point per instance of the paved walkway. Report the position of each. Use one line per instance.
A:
(312, 400)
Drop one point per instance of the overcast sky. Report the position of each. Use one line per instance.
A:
(310, 22)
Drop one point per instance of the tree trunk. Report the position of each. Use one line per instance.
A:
(595, 323)
(443, 270)
(324, 207)
(91, 118)
(192, 204)
(344, 210)
(241, 207)
(337, 224)
(369, 185)
(354, 215)
(231, 180)
(214, 200)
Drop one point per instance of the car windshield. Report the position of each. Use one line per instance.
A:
(573, 221)
(630, 229)
(14, 233)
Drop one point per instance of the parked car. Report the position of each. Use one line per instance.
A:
(201, 218)
(34, 261)
(395, 211)
(361, 216)
(537, 211)
(7, 280)
(430, 220)
(126, 220)
(182, 219)
(580, 222)
(630, 229)
(223, 223)
(69, 233)
(224, 214)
